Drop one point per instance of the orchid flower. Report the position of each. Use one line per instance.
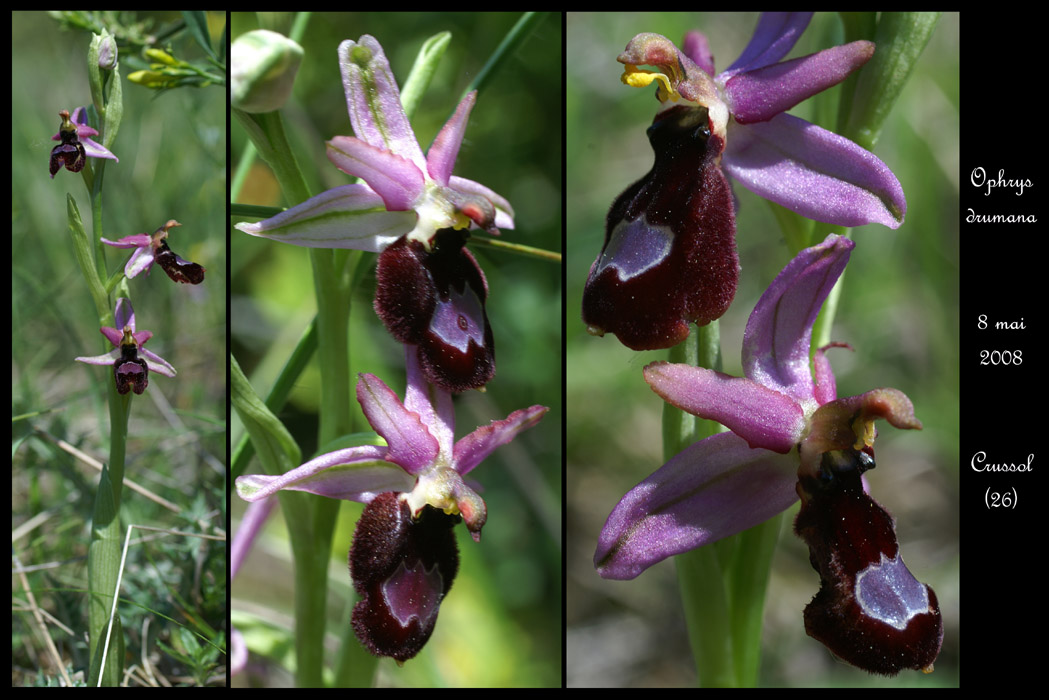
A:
(130, 360)
(789, 436)
(415, 213)
(76, 146)
(669, 255)
(154, 248)
(404, 555)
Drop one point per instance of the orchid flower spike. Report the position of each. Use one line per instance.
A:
(669, 256)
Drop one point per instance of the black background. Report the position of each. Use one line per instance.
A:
(1003, 275)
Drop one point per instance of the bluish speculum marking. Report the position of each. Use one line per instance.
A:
(414, 592)
(459, 319)
(635, 247)
(888, 592)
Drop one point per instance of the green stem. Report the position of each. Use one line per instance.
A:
(517, 34)
(519, 248)
(103, 559)
(722, 586)
(312, 549)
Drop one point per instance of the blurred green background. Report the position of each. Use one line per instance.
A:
(172, 165)
(501, 624)
(899, 310)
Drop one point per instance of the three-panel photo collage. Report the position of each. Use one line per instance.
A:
(485, 349)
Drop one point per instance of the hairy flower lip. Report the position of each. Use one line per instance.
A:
(669, 256)
(870, 610)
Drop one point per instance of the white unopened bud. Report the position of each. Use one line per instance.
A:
(263, 72)
(107, 51)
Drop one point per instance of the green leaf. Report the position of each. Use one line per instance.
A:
(274, 445)
(900, 39)
(197, 24)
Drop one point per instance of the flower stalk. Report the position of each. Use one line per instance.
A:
(106, 536)
(266, 131)
(103, 559)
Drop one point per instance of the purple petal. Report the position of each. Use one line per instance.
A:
(108, 359)
(777, 337)
(250, 525)
(140, 261)
(80, 119)
(697, 48)
(134, 241)
(431, 403)
(760, 94)
(472, 449)
(826, 386)
(441, 158)
(715, 488)
(125, 315)
(142, 336)
(239, 655)
(374, 102)
(762, 416)
(411, 445)
(774, 37)
(397, 180)
(350, 216)
(113, 335)
(156, 363)
(352, 474)
(96, 150)
(814, 172)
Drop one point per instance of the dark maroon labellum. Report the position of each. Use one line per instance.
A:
(402, 569)
(435, 300)
(870, 610)
(130, 371)
(69, 153)
(182, 271)
(670, 250)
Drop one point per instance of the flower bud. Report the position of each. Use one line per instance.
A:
(107, 51)
(264, 67)
(161, 57)
(149, 78)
